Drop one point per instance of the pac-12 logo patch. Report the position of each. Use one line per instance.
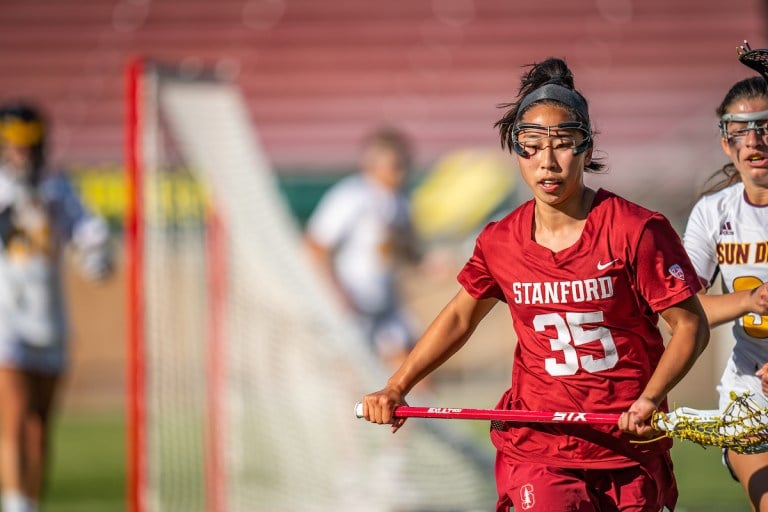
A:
(527, 498)
(677, 272)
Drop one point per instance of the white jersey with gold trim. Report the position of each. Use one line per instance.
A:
(37, 224)
(727, 234)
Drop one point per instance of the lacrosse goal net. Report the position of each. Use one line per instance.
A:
(243, 374)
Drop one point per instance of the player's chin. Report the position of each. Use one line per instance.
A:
(757, 174)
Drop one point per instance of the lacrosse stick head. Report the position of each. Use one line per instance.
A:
(756, 59)
(742, 426)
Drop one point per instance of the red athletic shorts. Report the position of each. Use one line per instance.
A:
(532, 487)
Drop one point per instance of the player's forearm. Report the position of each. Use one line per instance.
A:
(675, 363)
(725, 308)
(690, 336)
(443, 338)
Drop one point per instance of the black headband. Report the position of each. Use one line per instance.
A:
(556, 92)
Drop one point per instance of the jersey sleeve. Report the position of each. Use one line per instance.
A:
(476, 278)
(699, 244)
(88, 233)
(333, 216)
(664, 275)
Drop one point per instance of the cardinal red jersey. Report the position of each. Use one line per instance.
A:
(586, 322)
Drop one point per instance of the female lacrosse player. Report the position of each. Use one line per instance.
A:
(39, 215)
(727, 232)
(585, 275)
(360, 233)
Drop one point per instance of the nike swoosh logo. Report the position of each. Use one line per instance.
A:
(603, 266)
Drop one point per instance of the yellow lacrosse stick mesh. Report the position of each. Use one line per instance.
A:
(742, 426)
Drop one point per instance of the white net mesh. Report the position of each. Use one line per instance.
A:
(250, 392)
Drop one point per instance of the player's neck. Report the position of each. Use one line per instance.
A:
(557, 227)
(381, 183)
(573, 210)
(757, 196)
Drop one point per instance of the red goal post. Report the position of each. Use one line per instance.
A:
(143, 162)
(241, 368)
(133, 243)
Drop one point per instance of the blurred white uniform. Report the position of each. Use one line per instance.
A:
(360, 222)
(35, 226)
(726, 233)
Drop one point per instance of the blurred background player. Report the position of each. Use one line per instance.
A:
(586, 275)
(39, 216)
(360, 232)
(727, 233)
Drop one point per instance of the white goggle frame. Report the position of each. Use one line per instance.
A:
(751, 118)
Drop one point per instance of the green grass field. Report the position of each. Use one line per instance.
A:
(88, 466)
(704, 483)
(88, 473)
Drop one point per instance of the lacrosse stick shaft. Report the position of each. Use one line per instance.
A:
(446, 413)
(742, 426)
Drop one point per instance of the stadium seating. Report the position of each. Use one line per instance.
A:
(317, 75)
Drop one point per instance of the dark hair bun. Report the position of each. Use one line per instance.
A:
(549, 71)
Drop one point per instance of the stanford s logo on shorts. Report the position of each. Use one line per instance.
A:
(527, 498)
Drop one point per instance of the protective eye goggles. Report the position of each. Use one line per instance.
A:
(745, 122)
(537, 137)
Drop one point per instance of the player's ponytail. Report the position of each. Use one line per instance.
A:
(749, 88)
(728, 175)
(549, 82)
